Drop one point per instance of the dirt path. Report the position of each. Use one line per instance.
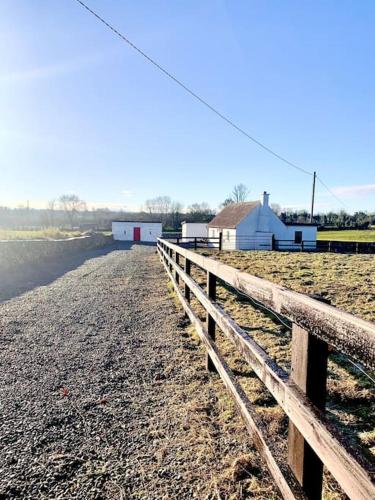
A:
(103, 394)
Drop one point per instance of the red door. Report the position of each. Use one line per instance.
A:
(137, 234)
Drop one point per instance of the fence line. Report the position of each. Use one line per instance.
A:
(312, 441)
(261, 242)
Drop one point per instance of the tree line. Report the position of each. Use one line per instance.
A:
(335, 220)
(69, 210)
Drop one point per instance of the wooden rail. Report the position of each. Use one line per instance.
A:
(232, 242)
(346, 246)
(312, 440)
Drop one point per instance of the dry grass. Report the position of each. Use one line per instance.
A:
(50, 233)
(348, 282)
(225, 460)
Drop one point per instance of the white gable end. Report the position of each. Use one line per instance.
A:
(261, 229)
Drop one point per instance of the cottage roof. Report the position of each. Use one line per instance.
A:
(232, 214)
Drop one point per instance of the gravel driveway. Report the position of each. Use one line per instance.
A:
(103, 393)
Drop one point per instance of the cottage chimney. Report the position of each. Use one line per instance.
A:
(264, 199)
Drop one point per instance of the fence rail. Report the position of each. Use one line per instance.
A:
(260, 242)
(346, 246)
(312, 441)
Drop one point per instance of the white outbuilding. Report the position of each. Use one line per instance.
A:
(194, 229)
(253, 225)
(126, 230)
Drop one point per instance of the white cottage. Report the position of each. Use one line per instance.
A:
(253, 225)
(194, 229)
(126, 230)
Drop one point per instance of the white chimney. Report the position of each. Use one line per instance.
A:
(264, 199)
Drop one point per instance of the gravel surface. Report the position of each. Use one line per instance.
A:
(82, 372)
(104, 394)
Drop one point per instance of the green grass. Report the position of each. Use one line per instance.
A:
(37, 234)
(350, 235)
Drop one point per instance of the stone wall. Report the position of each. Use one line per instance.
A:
(15, 253)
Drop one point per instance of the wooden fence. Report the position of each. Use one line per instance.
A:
(346, 246)
(312, 441)
(358, 247)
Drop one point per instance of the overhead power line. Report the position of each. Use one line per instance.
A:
(202, 101)
(331, 192)
(192, 93)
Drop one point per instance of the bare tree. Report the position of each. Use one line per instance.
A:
(163, 204)
(150, 206)
(176, 207)
(158, 205)
(240, 193)
(175, 214)
(200, 212)
(226, 202)
(276, 208)
(48, 218)
(71, 204)
(164, 207)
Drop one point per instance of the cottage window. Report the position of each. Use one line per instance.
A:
(298, 237)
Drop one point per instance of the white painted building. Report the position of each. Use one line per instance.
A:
(194, 229)
(136, 231)
(253, 225)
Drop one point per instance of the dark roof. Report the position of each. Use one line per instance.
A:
(301, 224)
(192, 222)
(140, 221)
(232, 214)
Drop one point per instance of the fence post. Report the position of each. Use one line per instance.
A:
(178, 240)
(302, 246)
(177, 276)
(187, 269)
(171, 256)
(195, 243)
(211, 325)
(220, 241)
(309, 372)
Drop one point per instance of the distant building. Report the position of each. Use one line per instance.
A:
(125, 230)
(253, 225)
(194, 229)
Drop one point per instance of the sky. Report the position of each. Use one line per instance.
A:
(82, 112)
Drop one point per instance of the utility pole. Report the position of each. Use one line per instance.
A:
(312, 199)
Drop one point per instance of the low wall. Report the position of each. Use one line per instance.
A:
(15, 253)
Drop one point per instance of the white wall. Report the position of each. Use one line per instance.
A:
(229, 241)
(124, 231)
(255, 232)
(309, 234)
(268, 222)
(194, 230)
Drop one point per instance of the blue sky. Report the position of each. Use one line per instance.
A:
(82, 112)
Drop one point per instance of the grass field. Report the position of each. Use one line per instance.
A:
(367, 235)
(38, 234)
(348, 282)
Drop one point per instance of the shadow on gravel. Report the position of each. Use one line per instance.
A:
(27, 278)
